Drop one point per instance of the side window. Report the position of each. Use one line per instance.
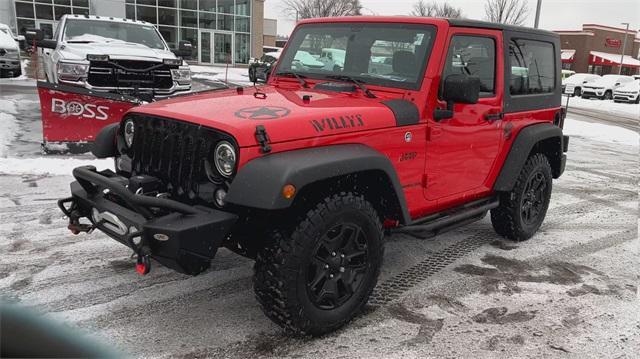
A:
(473, 56)
(532, 67)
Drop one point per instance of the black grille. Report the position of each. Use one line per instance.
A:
(177, 153)
(130, 74)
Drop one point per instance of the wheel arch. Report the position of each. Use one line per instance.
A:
(317, 171)
(545, 138)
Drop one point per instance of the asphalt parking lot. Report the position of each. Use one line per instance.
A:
(571, 291)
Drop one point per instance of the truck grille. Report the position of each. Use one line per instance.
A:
(178, 154)
(130, 74)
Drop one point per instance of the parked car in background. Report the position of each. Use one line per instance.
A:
(572, 85)
(303, 60)
(603, 88)
(567, 73)
(628, 93)
(267, 49)
(7, 30)
(114, 55)
(9, 56)
(333, 59)
(260, 69)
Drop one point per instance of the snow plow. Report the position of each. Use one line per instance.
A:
(72, 116)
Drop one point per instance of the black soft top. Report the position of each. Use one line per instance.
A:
(497, 26)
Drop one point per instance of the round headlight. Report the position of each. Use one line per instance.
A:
(225, 158)
(129, 128)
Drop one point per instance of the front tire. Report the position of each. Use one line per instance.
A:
(607, 95)
(319, 277)
(522, 211)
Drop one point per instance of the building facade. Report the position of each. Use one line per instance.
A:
(598, 49)
(221, 31)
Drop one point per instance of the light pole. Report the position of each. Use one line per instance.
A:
(538, 14)
(624, 46)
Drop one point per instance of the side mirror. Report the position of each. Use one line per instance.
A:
(37, 35)
(32, 35)
(184, 49)
(458, 89)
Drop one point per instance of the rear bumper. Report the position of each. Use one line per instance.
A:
(184, 238)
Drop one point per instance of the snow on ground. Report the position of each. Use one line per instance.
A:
(8, 125)
(235, 75)
(600, 132)
(624, 109)
(48, 165)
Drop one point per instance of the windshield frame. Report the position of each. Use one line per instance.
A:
(64, 30)
(368, 80)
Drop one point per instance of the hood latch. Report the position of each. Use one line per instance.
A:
(263, 139)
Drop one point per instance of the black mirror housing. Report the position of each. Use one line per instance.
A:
(32, 35)
(184, 49)
(461, 89)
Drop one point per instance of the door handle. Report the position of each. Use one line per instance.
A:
(494, 116)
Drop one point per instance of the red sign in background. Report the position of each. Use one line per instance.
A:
(613, 43)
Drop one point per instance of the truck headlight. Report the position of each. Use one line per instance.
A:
(129, 128)
(181, 75)
(225, 158)
(72, 71)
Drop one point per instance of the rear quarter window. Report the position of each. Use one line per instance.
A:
(532, 67)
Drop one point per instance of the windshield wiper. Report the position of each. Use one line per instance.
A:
(301, 78)
(358, 83)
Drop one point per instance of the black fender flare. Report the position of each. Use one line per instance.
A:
(525, 141)
(258, 184)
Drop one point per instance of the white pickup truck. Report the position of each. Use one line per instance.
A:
(107, 54)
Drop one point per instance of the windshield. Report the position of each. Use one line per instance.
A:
(109, 31)
(393, 55)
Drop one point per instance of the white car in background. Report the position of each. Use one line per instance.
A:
(107, 54)
(333, 59)
(572, 85)
(628, 93)
(9, 56)
(305, 61)
(603, 88)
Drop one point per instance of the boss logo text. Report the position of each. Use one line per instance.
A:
(74, 108)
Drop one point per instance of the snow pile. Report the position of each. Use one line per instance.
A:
(48, 165)
(8, 125)
(623, 109)
(235, 75)
(600, 132)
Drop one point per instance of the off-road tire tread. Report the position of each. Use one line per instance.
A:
(503, 218)
(277, 263)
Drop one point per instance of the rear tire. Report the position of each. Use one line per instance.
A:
(320, 276)
(522, 211)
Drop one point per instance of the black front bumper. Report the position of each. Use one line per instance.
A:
(179, 236)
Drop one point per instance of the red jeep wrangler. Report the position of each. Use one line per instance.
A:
(425, 125)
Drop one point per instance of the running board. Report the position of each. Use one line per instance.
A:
(444, 221)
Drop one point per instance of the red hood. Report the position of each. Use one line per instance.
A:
(283, 113)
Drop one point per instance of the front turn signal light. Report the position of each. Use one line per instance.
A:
(288, 191)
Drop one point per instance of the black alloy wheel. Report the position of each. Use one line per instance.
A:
(338, 266)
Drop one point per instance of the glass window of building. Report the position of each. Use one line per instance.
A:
(147, 13)
(225, 22)
(167, 16)
(207, 20)
(243, 7)
(208, 5)
(225, 6)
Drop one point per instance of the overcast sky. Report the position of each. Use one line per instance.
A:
(555, 14)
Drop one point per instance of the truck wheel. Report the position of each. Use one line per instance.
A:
(522, 210)
(318, 278)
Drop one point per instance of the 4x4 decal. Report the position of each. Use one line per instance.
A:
(333, 123)
(262, 112)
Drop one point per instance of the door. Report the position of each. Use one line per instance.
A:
(223, 51)
(461, 151)
(205, 47)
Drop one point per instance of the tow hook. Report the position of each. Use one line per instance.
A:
(77, 228)
(143, 264)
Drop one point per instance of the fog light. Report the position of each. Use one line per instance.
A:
(288, 191)
(219, 197)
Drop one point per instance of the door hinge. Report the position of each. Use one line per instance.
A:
(424, 180)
